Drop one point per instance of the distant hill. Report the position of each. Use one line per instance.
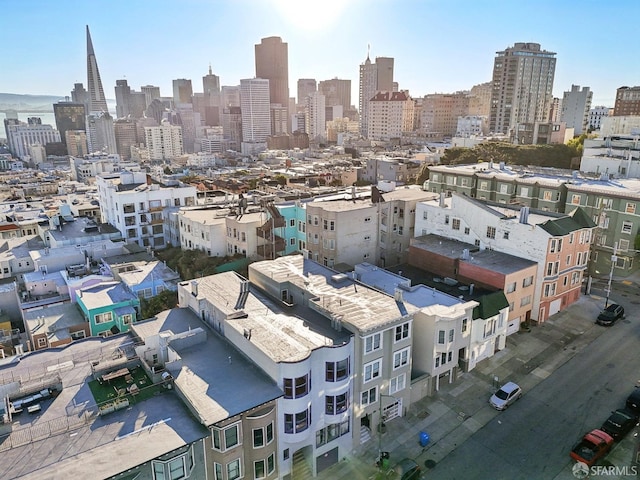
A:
(31, 103)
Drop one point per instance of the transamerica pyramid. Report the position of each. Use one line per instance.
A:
(97, 100)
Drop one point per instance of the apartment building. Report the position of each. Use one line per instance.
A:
(558, 243)
(605, 200)
(464, 263)
(308, 359)
(139, 208)
(203, 230)
(381, 328)
(389, 115)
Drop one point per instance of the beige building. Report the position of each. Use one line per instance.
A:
(390, 114)
(440, 112)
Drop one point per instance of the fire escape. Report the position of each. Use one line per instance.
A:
(275, 245)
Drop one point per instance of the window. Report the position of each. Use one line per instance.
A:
(336, 371)
(549, 289)
(527, 281)
(505, 235)
(402, 331)
(126, 319)
(258, 437)
(630, 208)
(175, 469)
(446, 219)
(292, 222)
(367, 219)
(372, 370)
(296, 423)
(605, 203)
(331, 432)
(489, 328)
(271, 463)
(103, 317)
(229, 435)
(42, 342)
(397, 383)
(575, 199)
(547, 195)
(401, 358)
(441, 337)
(623, 245)
(298, 387)
(491, 232)
(525, 300)
(233, 470)
(455, 224)
(627, 227)
(217, 470)
(524, 192)
(372, 342)
(258, 469)
(369, 396)
(424, 215)
(465, 324)
(466, 230)
(269, 432)
(437, 361)
(511, 287)
(451, 335)
(336, 404)
(553, 267)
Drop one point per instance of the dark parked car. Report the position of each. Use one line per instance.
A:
(407, 469)
(610, 314)
(619, 423)
(633, 401)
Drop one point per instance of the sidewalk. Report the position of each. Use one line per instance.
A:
(461, 408)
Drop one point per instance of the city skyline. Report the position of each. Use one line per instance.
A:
(438, 47)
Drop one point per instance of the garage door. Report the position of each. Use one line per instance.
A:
(513, 326)
(555, 306)
(326, 460)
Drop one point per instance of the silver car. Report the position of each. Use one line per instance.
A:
(508, 393)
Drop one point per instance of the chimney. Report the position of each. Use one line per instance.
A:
(524, 215)
(501, 165)
(490, 164)
(194, 288)
(471, 288)
(442, 197)
(465, 254)
(398, 295)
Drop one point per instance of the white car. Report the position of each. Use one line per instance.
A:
(508, 393)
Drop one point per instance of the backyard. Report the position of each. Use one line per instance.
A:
(122, 388)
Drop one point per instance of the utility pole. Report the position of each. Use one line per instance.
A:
(614, 259)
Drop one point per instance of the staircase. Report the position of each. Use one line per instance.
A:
(275, 243)
(301, 469)
(365, 435)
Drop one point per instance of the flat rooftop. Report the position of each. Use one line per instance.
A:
(338, 295)
(54, 320)
(235, 385)
(82, 227)
(489, 259)
(283, 335)
(96, 447)
(105, 293)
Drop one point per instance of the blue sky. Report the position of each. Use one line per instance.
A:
(438, 45)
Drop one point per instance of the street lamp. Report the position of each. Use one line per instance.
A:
(614, 259)
(380, 425)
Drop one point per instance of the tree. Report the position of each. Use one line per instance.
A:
(165, 300)
(167, 170)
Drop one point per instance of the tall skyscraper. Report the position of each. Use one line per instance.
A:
(80, 95)
(337, 92)
(151, 92)
(231, 96)
(272, 63)
(182, 91)
(69, 116)
(305, 87)
(210, 83)
(256, 114)
(100, 133)
(374, 77)
(522, 87)
(122, 98)
(575, 109)
(315, 123)
(97, 100)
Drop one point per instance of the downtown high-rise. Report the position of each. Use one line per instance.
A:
(272, 63)
(522, 88)
(374, 77)
(97, 100)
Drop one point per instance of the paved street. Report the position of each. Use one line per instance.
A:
(573, 373)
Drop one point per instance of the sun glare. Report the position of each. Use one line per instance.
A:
(311, 14)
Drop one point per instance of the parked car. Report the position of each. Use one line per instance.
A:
(505, 396)
(406, 469)
(610, 314)
(620, 423)
(593, 446)
(633, 401)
